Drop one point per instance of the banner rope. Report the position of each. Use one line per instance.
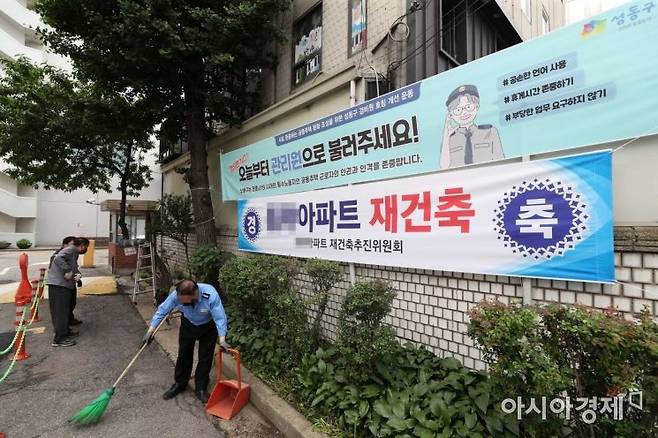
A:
(644, 134)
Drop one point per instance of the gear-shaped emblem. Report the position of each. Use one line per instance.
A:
(541, 219)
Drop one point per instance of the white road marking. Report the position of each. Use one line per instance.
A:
(4, 271)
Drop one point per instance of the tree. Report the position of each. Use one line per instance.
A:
(173, 219)
(60, 133)
(195, 61)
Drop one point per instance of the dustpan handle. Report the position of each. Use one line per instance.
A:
(235, 353)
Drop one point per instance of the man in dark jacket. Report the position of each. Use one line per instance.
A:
(67, 241)
(61, 285)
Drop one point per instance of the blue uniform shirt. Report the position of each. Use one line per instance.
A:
(209, 307)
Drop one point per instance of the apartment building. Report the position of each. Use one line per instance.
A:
(45, 216)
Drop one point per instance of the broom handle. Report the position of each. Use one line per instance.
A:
(125, 371)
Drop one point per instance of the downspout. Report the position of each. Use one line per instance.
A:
(352, 103)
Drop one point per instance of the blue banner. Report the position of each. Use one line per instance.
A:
(545, 219)
(585, 84)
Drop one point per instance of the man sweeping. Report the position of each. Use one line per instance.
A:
(203, 319)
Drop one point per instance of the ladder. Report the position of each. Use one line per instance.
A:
(145, 267)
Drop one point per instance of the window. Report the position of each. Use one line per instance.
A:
(526, 7)
(358, 26)
(453, 30)
(170, 150)
(372, 85)
(545, 22)
(307, 34)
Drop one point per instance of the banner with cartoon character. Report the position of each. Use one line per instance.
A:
(584, 84)
(544, 219)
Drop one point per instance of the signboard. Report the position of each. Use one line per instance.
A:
(546, 219)
(584, 84)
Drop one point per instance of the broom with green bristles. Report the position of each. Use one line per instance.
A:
(94, 411)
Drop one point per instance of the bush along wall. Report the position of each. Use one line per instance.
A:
(574, 354)
(367, 384)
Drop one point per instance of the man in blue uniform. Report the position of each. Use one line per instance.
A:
(203, 319)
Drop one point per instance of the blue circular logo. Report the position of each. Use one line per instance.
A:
(540, 219)
(251, 225)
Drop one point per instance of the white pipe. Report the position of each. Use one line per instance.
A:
(352, 103)
(527, 282)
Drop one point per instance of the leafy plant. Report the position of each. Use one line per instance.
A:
(363, 337)
(269, 312)
(324, 275)
(4, 244)
(409, 392)
(577, 352)
(23, 244)
(205, 263)
(252, 282)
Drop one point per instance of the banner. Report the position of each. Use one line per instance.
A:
(588, 83)
(545, 219)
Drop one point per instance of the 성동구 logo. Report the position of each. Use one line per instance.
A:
(251, 225)
(540, 219)
(593, 27)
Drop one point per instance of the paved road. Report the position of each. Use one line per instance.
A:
(46, 389)
(37, 259)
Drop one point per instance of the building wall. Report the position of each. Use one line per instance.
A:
(61, 214)
(577, 10)
(529, 26)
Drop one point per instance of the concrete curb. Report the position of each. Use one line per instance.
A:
(283, 416)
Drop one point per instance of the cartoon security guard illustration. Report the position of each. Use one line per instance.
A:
(464, 142)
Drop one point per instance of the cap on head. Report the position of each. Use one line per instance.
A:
(186, 287)
(463, 90)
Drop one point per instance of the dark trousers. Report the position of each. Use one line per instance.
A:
(189, 333)
(74, 300)
(59, 300)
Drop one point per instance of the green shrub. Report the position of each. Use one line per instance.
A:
(23, 244)
(324, 276)
(251, 283)
(268, 313)
(363, 337)
(205, 263)
(4, 244)
(409, 392)
(573, 351)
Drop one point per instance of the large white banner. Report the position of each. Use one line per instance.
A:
(546, 219)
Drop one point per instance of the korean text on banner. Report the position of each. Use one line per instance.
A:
(545, 219)
(585, 84)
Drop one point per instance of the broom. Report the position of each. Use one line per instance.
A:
(94, 411)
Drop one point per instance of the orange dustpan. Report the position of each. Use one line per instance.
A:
(228, 396)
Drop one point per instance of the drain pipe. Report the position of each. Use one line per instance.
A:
(352, 103)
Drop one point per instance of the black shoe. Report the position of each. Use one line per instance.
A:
(72, 334)
(63, 343)
(75, 322)
(202, 395)
(173, 391)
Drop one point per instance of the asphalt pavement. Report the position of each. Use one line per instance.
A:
(54, 383)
